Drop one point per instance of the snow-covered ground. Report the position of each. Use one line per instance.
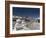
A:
(20, 24)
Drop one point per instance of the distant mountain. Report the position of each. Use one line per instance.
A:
(27, 17)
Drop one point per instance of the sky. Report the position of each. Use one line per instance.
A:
(32, 12)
